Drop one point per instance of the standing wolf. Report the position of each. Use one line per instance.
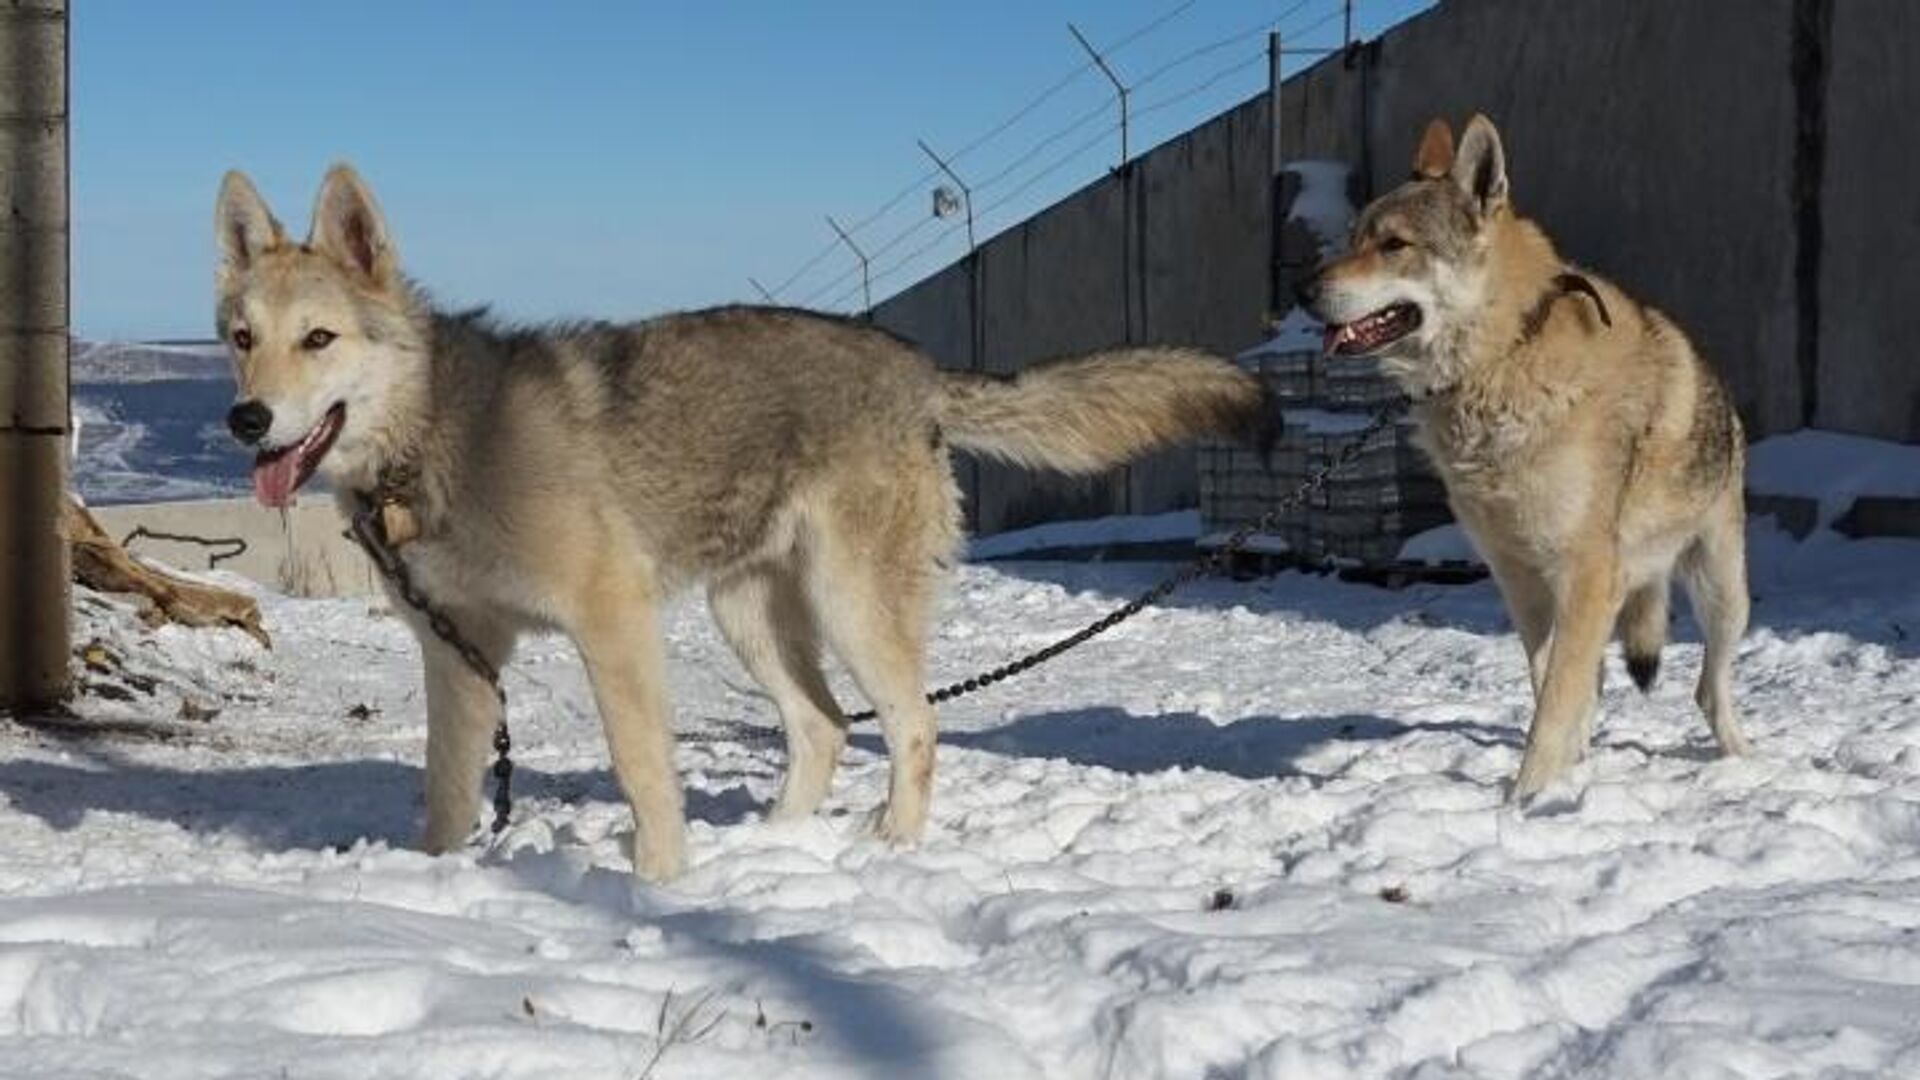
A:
(572, 477)
(1586, 448)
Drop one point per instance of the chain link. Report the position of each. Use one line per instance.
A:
(368, 531)
(1203, 566)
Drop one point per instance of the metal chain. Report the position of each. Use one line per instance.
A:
(371, 535)
(1203, 566)
(235, 546)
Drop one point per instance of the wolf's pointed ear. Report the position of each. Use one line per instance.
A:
(1434, 159)
(242, 225)
(347, 225)
(1481, 166)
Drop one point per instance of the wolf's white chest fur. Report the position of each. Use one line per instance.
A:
(452, 576)
(1505, 478)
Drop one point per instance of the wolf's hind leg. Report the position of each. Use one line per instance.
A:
(874, 561)
(763, 614)
(877, 630)
(1714, 572)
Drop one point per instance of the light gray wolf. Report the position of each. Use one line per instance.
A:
(1586, 448)
(571, 477)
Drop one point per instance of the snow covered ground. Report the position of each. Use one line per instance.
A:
(1257, 833)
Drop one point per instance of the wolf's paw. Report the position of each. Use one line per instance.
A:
(794, 806)
(785, 811)
(1732, 743)
(899, 829)
(658, 863)
(445, 835)
(1538, 770)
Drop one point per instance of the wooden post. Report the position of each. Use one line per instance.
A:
(35, 612)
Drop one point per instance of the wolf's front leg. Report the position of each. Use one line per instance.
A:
(1585, 605)
(619, 638)
(462, 711)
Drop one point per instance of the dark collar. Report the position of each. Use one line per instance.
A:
(1565, 283)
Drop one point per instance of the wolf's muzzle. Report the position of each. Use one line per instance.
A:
(249, 421)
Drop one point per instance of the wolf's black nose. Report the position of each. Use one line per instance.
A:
(249, 421)
(1307, 290)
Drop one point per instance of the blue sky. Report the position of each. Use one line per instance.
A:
(611, 159)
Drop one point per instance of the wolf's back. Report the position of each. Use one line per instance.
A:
(1089, 413)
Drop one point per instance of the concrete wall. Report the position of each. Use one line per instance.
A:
(1656, 141)
(1653, 141)
(1870, 200)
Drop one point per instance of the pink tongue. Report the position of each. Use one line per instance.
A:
(274, 480)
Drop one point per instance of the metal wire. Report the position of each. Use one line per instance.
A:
(919, 184)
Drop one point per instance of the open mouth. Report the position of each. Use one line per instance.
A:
(277, 474)
(1371, 333)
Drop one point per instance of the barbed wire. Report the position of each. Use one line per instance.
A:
(1259, 29)
(1105, 108)
(1013, 166)
(1210, 83)
(1059, 163)
(920, 183)
(1335, 12)
(1067, 80)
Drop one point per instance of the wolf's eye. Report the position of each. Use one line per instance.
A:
(243, 339)
(1391, 244)
(317, 340)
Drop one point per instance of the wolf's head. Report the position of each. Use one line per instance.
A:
(323, 334)
(1414, 278)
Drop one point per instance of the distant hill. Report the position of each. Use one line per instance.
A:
(140, 361)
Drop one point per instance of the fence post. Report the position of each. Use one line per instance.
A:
(966, 193)
(866, 279)
(1119, 88)
(35, 606)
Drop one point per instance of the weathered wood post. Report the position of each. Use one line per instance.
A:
(34, 410)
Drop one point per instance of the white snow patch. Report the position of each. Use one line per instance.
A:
(1298, 333)
(1174, 526)
(1260, 831)
(1321, 204)
(1443, 543)
(1833, 468)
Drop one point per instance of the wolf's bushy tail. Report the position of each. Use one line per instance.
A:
(1642, 626)
(1089, 413)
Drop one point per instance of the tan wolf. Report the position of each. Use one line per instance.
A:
(1586, 448)
(571, 477)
